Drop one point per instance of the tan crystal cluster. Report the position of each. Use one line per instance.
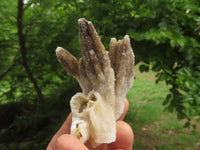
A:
(104, 77)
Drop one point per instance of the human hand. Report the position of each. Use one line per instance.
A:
(62, 140)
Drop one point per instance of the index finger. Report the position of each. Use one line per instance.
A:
(65, 129)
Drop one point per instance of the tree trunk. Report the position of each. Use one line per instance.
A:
(24, 51)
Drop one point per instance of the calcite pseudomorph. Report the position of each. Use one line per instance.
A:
(104, 77)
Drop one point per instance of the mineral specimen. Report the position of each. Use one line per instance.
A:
(104, 77)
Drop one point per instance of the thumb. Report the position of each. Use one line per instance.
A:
(68, 142)
(124, 137)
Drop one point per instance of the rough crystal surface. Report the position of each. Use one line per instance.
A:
(104, 77)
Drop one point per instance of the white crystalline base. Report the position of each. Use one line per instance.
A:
(92, 119)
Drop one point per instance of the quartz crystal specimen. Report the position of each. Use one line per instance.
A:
(104, 77)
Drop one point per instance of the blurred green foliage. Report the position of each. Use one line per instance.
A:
(165, 35)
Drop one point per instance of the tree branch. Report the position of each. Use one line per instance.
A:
(27, 5)
(9, 68)
(24, 51)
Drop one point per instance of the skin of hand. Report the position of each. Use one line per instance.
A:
(62, 140)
